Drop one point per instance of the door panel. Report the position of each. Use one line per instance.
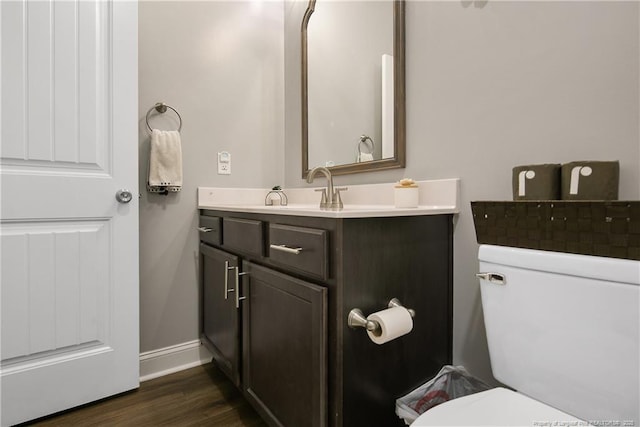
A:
(69, 250)
(285, 347)
(59, 273)
(55, 107)
(221, 318)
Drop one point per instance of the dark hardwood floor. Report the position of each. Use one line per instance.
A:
(194, 397)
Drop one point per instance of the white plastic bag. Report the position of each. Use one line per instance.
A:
(449, 383)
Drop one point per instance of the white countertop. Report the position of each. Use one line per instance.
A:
(354, 211)
(360, 201)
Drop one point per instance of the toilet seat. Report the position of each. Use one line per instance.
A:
(495, 407)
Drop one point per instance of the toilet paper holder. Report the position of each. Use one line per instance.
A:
(357, 319)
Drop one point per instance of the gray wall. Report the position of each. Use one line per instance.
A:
(491, 85)
(220, 64)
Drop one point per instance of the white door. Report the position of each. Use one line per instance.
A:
(69, 250)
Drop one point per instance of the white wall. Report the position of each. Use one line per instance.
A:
(220, 64)
(491, 85)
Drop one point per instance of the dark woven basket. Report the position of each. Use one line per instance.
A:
(600, 228)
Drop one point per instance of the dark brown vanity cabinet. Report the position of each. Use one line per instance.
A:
(266, 330)
(288, 344)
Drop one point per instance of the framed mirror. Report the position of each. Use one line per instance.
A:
(353, 86)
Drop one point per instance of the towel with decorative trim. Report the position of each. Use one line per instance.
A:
(364, 157)
(165, 162)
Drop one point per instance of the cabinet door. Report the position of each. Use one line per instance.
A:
(285, 347)
(220, 317)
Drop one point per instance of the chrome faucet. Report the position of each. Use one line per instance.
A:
(330, 196)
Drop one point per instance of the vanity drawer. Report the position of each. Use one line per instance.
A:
(209, 229)
(245, 235)
(300, 248)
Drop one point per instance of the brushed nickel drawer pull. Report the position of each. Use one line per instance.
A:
(226, 280)
(205, 229)
(238, 297)
(287, 249)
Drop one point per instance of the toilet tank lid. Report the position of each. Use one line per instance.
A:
(496, 407)
(593, 267)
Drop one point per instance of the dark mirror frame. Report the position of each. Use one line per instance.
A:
(399, 140)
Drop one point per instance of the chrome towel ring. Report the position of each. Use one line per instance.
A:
(161, 108)
(365, 141)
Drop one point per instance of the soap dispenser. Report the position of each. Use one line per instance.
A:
(406, 194)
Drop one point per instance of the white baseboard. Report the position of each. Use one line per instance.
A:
(164, 361)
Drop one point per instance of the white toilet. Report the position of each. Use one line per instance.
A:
(563, 330)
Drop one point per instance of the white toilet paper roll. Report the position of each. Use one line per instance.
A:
(394, 322)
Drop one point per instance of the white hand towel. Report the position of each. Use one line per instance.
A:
(365, 157)
(165, 162)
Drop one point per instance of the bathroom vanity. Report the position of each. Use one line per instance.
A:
(277, 287)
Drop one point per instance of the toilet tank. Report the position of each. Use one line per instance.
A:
(564, 329)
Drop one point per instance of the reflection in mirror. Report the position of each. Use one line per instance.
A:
(353, 85)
